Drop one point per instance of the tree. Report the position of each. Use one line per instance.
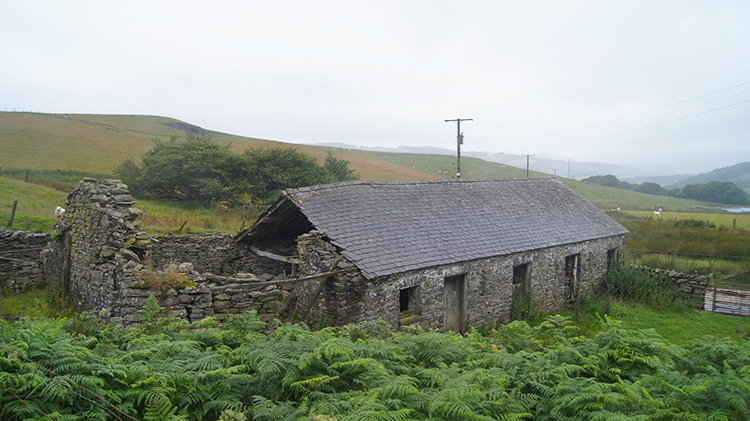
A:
(338, 169)
(274, 169)
(199, 135)
(650, 188)
(714, 192)
(610, 180)
(195, 170)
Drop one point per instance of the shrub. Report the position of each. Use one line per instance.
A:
(643, 287)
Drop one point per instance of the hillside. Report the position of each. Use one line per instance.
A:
(99, 143)
(96, 144)
(739, 174)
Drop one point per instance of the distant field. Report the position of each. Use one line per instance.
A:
(725, 220)
(35, 203)
(95, 144)
(51, 141)
(611, 198)
(444, 166)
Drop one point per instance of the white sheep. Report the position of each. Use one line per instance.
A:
(657, 213)
(59, 212)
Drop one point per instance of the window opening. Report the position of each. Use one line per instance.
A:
(572, 273)
(409, 300)
(611, 258)
(521, 278)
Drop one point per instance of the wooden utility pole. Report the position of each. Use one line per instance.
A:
(527, 163)
(459, 142)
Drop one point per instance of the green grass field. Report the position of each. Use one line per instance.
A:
(723, 219)
(679, 328)
(443, 166)
(35, 208)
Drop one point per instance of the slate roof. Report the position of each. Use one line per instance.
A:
(388, 227)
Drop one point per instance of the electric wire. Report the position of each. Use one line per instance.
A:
(645, 119)
(555, 141)
(643, 127)
(645, 112)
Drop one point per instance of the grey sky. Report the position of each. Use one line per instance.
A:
(387, 73)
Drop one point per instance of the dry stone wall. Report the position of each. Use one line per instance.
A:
(218, 254)
(692, 286)
(21, 267)
(101, 258)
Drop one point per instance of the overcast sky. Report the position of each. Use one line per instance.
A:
(663, 85)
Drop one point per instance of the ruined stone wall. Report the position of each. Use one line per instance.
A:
(21, 267)
(332, 300)
(692, 286)
(218, 254)
(217, 298)
(104, 262)
(488, 284)
(97, 247)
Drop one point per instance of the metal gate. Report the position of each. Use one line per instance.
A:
(733, 299)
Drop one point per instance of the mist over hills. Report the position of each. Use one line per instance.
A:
(570, 169)
(739, 174)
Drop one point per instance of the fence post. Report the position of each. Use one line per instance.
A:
(13, 213)
(27, 177)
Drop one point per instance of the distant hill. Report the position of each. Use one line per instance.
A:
(563, 168)
(98, 143)
(739, 174)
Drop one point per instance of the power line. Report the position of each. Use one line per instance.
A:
(530, 141)
(634, 122)
(644, 127)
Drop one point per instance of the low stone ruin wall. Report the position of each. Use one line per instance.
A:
(218, 254)
(217, 297)
(692, 286)
(21, 267)
(101, 258)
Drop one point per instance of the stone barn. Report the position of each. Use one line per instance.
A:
(443, 254)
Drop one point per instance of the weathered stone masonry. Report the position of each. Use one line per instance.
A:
(101, 258)
(99, 255)
(347, 297)
(21, 267)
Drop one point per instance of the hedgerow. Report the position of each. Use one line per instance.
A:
(173, 370)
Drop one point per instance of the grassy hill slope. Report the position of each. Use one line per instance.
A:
(35, 208)
(99, 143)
(96, 144)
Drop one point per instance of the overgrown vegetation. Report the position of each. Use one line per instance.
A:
(642, 287)
(168, 369)
(686, 245)
(205, 172)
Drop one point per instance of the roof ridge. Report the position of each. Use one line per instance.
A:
(416, 182)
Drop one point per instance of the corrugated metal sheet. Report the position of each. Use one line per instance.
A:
(733, 299)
